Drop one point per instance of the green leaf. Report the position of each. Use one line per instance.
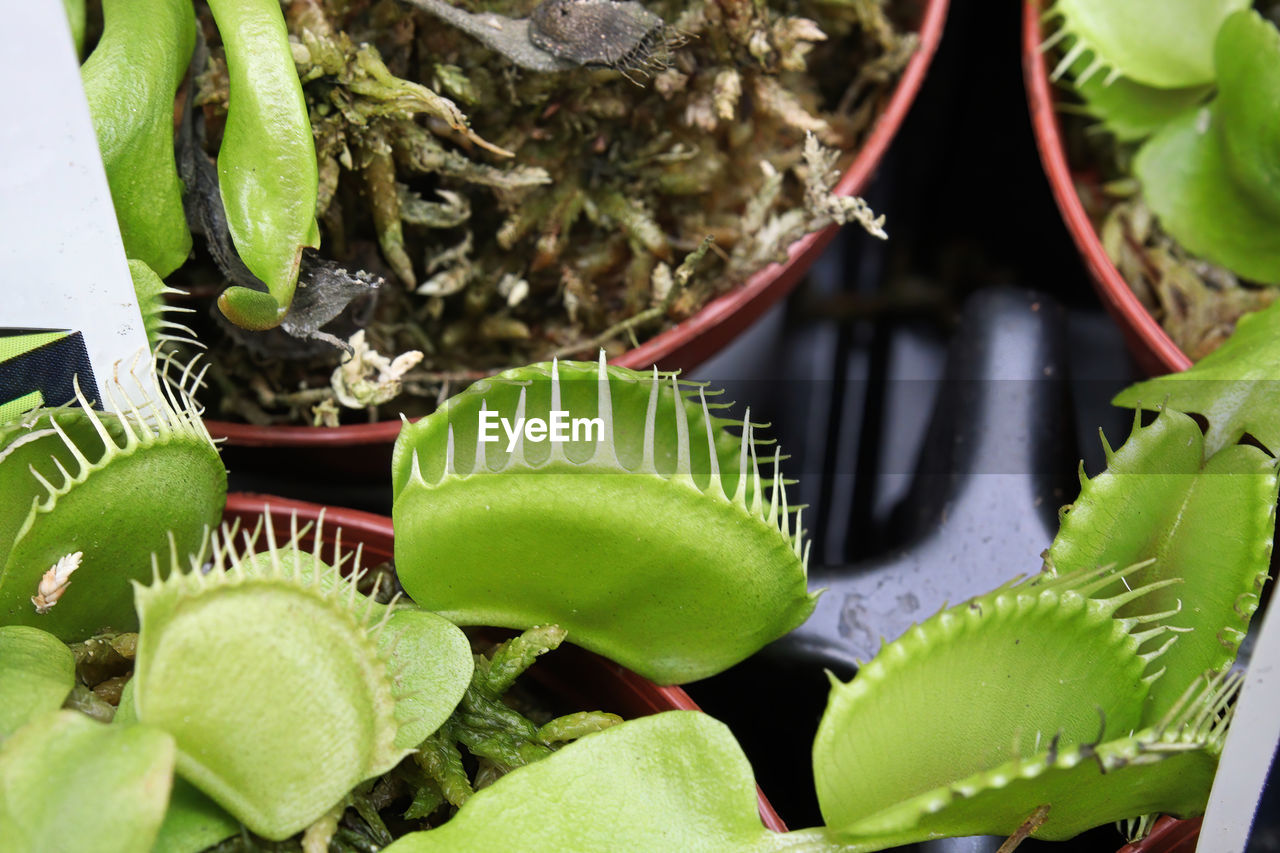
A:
(267, 169)
(126, 712)
(673, 781)
(432, 664)
(70, 783)
(1206, 522)
(37, 671)
(1236, 388)
(1248, 62)
(1163, 43)
(1187, 183)
(1213, 176)
(1133, 111)
(130, 81)
(75, 17)
(1027, 665)
(430, 658)
(193, 822)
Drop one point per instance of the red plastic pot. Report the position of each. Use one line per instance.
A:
(363, 447)
(574, 677)
(1154, 350)
(1168, 836)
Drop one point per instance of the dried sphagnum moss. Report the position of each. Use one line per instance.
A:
(1196, 302)
(518, 214)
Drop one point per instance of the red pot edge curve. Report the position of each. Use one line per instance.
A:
(736, 309)
(1154, 349)
(694, 340)
(1169, 835)
(375, 531)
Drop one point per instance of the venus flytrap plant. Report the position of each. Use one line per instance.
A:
(1236, 388)
(647, 536)
(1044, 684)
(30, 445)
(282, 688)
(1131, 111)
(275, 771)
(1209, 172)
(151, 470)
(1040, 676)
(192, 822)
(889, 770)
(267, 171)
(1194, 517)
(1157, 43)
(428, 656)
(1084, 695)
(1131, 83)
(1064, 789)
(222, 653)
(1195, 528)
(1207, 520)
(151, 291)
(129, 82)
(1213, 176)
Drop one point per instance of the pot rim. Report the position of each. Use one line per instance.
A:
(690, 341)
(1153, 345)
(1169, 835)
(376, 533)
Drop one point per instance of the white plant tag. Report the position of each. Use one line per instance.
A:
(62, 261)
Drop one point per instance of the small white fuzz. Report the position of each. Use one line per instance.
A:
(727, 91)
(366, 377)
(513, 288)
(55, 582)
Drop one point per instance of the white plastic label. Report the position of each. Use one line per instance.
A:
(62, 261)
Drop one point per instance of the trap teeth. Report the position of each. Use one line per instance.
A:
(646, 535)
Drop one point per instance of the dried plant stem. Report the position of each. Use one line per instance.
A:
(1030, 825)
(679, 281)
(305, 397)
(612, 332)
